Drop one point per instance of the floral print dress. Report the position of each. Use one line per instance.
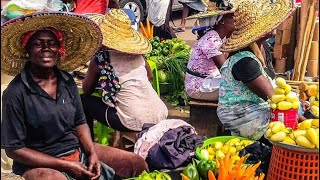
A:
(201, 61)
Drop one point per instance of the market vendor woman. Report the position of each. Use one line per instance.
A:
(43, 125)
(245, 86)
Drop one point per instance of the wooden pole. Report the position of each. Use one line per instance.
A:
(310, 30)
(305, 4)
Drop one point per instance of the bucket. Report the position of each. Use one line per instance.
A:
(286, 164)
(288, 117)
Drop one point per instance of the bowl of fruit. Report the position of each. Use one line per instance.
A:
(217, 147)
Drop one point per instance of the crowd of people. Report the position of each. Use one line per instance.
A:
(47, 126)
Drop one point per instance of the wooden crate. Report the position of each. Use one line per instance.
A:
(283, 36)
(281, 51)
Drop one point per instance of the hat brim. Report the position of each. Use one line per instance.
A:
(81, 38)
(130, 42)
(271, 16)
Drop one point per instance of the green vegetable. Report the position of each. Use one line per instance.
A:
(191, 171)
(155, 175)
(204, 166)
(162, 76)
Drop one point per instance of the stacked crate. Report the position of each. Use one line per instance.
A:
(282, 44)
(313, 60)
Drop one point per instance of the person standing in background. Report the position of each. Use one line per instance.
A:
(92, 6)
(159, 12)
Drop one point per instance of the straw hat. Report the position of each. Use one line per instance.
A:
(118, 34)
(81, 38)
(214, 10)
(254, 19)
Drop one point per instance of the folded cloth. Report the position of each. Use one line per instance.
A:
(175, 148)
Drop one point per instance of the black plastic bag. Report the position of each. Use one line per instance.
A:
(258, 152)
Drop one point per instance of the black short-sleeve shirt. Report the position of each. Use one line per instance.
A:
(33, 119)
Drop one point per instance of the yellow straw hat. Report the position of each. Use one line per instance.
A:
(254, 19)
(81, 39)
(118, 34)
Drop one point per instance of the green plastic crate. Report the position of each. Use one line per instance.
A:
(209, 141)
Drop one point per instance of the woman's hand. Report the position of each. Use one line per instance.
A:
(94, 166)
(78, 170)
(305, 106)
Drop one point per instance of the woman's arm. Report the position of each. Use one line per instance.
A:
(34, 158)
(83, 133)
(91, 79)
(219, 60)
(261, 87)
(149, 72)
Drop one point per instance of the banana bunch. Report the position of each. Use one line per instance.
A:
(307, 134)
(283, 98)
(218, 150)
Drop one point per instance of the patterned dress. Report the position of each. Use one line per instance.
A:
(240, 110)
(201, 61)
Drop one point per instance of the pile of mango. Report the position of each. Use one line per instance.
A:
(307, 134)
(310, 93)
(283, 98)
(218, 150)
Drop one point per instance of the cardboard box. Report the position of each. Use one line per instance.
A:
(280, 65)
(283, 36)
(286, 24)
(316, 32)
(312, 68)
(281, 51)
(314, 50)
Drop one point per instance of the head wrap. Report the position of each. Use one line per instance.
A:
(202, 24)
(57, 33)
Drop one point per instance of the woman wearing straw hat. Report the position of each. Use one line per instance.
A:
(212, 27)
(128, 101)
(43, 125)
(245, 86)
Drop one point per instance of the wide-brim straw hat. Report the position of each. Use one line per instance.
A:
(118, 34)
(254, 19)
(213, 10)
(81, 38)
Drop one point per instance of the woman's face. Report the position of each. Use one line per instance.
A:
(228, 23)
(43, 49)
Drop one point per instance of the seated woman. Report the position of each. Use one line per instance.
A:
(203, 77)
(245, 86)
(43, 126)
(128, 99)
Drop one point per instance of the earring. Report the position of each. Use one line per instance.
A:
(27, 55)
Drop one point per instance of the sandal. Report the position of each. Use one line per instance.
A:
(179, 29)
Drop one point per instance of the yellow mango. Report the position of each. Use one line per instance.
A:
(279, 90)
(280, 82)
(284, 105)
(298, 133)
(313, 137)
(315, 110)
(315, 122)
(220, 155)
(278, 98)
(217, 145)
(317, 130)
(273, 106)
(304, 142)
(288, 140)
(292, 136)
(312, 90)
(225, 149)
(269, 133)
(296, 105)
(291, 97)
(312, 99)
(232, 150)
(278, 137)
(306, 124)
(272, 123)
(315, 103)
(278, 126)
(210, 151)
(204, 153)
(287, 88)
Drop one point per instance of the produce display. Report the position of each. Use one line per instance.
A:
(283, 98)
(171, 57)
(217, 150)
(307, 134)
(310, 93)
(225, 168)
(147, 31)
(155, 175)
